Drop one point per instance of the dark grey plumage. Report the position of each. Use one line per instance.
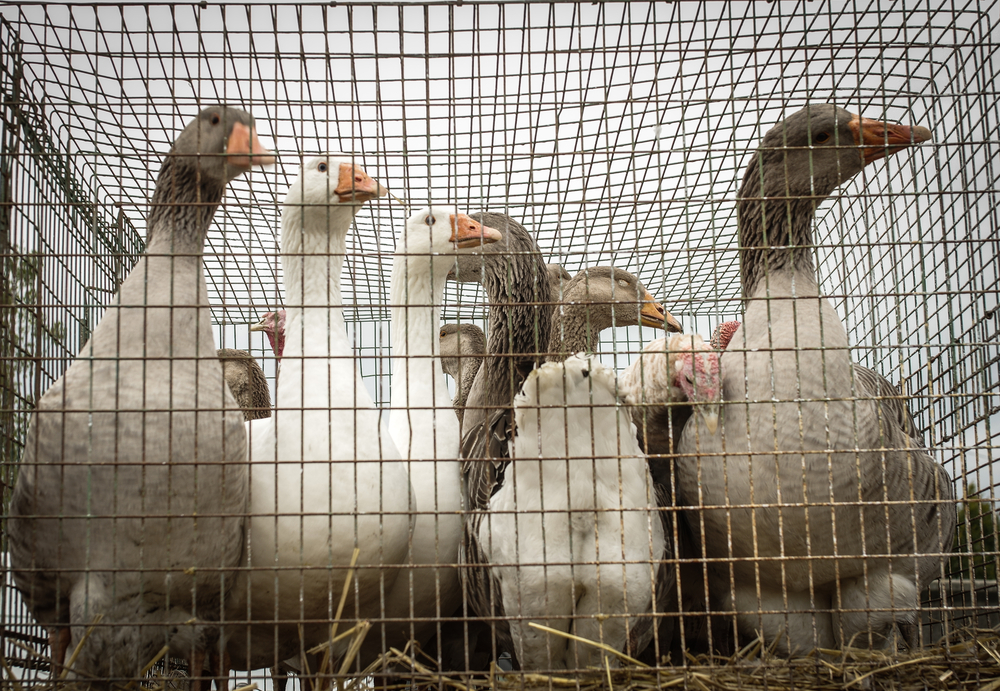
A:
(247, 383)
(558, 278)
(516, 281)
(102, 517)
(462, 350)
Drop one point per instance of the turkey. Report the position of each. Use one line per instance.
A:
(272, 324)
(832, 472)
(573, 536)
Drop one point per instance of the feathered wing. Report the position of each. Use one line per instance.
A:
(925, 522)
(486, 453)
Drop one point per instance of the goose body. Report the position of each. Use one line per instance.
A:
(424, 427)
(573, 535)
(325, 475)
(789, 386)
(140, 435)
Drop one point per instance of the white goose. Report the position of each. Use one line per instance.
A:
(573, 535)
(325, 475)
(424, 426)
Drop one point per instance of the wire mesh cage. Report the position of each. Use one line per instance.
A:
(617, 134)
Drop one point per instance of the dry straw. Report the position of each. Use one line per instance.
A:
(969, 660)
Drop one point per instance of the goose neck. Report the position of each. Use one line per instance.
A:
(775, 228)
(416, 293)
(313, 247)
(575, 328)
(181, 209)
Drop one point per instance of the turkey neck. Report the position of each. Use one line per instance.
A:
(775, 224)
(181, 209)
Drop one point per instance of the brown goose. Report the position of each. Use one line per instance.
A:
(800, 426)
(102, 518)
(247, 383)
(558, 278)
(462, 349)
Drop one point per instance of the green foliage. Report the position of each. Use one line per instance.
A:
(976, 538)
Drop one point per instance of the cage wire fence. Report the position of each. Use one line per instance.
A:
(616, 132)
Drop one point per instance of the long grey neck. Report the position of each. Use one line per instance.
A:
(181, 209)
(520, 321)
(470, 365)
(576, 328)
(775, 228)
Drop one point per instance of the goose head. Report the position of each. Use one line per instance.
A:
(606, 296)
(438, 233)
(333, 180)
(813, 151)
(457, 341)
(800, 162)
(222, 143)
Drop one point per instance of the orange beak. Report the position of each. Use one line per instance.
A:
(880, 139)
(467, 233)
(653, 314)
(245, 150)
(354, 184)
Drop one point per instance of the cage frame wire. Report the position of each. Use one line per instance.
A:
(904, 316)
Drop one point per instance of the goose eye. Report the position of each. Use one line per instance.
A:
(322, 167)
(822, 137)
(623, 283)
(430, 220)
(216, 119)
(585, 373)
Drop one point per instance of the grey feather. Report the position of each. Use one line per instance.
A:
(132, 493)
(817, 457)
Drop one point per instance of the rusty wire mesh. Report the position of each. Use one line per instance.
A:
(616, 132)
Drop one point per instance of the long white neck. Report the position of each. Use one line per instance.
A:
(423, 423)
(313, 246)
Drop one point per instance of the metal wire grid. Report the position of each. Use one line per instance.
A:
(617, 132)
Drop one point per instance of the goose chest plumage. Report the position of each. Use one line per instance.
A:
(131, 498)
(574, 538)
(326, 477)
(799, 426)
